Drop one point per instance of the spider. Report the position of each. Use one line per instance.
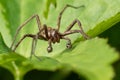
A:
(49, 34)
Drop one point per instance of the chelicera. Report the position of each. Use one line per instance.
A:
(49, 34)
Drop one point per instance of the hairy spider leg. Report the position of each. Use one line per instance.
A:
(20, 27)
(68, 45)
(49, 48)
(34, 43)
(69, 31)
(25, 36)
(46, 30)
(60, 14)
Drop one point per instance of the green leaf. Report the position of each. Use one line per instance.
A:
(105, 25)
(113, 37)
(92, 61)
(84, 60)
(48, 3)
(3, 47)
(19, 65)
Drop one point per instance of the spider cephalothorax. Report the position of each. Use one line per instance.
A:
(50, 34)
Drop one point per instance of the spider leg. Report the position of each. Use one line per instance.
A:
(60, 14)
(49, 48)
(68, 45)
(21, 26)
(46, 31)
(69, 31)
(33, 48)
(75, 31)
(25, 36)
(34, 43)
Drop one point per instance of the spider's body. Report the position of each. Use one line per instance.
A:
(50, 34)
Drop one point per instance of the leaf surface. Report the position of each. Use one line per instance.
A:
(91, 58)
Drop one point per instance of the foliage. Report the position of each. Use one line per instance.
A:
(84, 60)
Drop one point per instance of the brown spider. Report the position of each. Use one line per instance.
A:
(50, 34)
